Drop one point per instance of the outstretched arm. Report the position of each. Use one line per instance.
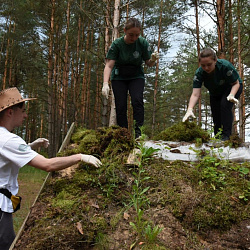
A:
(59, 163)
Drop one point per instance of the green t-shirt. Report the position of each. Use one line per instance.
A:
(128, 58)
(217, 82)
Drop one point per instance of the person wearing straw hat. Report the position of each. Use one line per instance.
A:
(15, 153)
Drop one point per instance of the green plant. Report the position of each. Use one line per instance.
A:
(138, 197)
(152, 233)
(139, 224)
(101, 241)
(246, 195)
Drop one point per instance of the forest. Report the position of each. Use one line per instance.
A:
(55, 51)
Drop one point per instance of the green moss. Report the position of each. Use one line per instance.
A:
(80, 134)
(99, 223)
(183, 131)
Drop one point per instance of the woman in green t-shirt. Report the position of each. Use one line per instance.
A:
(124, 66)
(224, 85)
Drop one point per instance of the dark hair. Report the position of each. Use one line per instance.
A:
(18, 105)
(207, 53)
(132, 23)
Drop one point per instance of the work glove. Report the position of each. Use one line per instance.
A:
(188, 114)
(90, 159)
(231, 98)
(40, 142)
(105, 90)
(154, 56)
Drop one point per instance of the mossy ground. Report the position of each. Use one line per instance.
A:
(202, 205)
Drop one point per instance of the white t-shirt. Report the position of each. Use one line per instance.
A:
(14, 154)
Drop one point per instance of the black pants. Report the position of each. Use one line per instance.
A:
(7, 234)
(222, 112)
(135, 87)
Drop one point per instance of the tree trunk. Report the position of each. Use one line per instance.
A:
(156, 73)
(198, 48)
(106, 47)
(51, 150)
(6, 63)
(112, 119)
(85, 79)
(220, 12)
(242, 117)
(65, 77)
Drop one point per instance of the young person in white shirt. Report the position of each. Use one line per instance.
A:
(15, 153)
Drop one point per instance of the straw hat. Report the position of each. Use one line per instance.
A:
(10, 97)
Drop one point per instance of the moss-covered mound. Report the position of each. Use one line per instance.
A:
(203, 205)
(183, 131)
(103, 143)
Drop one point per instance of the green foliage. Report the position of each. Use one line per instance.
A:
(64, 202)
(151, 233)
(183, 131)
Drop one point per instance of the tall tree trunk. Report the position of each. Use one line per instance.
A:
(106, 47)
(89, 112)
(156, 73)
(65, 75)
(198, 47)
(6, 63)
(220, 12)
(112, 119)
(231, 49)
(85, 79)
(242, 114)
(76, 79)
(51, 150)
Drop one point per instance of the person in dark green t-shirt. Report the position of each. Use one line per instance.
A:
(124, 66)
(225, 87)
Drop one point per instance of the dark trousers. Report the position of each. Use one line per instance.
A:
(135, 87)
(7, 234)
(222, 112)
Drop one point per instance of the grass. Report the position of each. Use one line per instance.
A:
(30, 180)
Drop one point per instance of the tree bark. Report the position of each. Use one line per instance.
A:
(220, 12)
(242, 114)
(156, 73)
(112, 119)
(51, 150)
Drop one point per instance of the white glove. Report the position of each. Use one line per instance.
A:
(91, 160)
(40, 142)
(231, 98)
(105, 90)
(188, 114)
(154, 56)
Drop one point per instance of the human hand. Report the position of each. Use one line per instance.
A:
(188, 114)
(154, 56)
(231, 98)
(90, 159)
(105, 90)
(40, 142)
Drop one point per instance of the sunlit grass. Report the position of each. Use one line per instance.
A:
(30, 180)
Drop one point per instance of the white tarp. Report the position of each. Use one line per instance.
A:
(184, 151)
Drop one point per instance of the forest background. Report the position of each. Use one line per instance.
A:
(55, 51)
